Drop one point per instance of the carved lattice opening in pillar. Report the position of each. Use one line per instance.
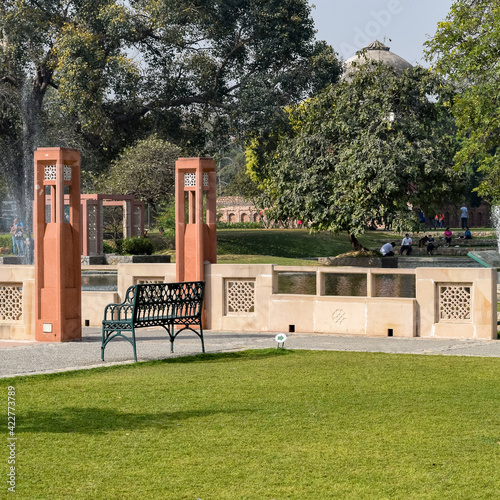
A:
(11, 302)
(455, 302)
(92, 222)
(205, 179)
(190, 180)
(240, 296)
(50, 173)
(67, 172)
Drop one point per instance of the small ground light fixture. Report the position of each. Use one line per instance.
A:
(280, 339)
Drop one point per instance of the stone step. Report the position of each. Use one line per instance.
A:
(413, 262)
(453, 250)
(403, 262)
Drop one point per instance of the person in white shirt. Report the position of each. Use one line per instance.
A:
(387, 250)
(406, 244)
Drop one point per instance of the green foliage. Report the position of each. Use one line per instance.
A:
(465, 50)
(290, 424)
(137, 246)
(145, 170)
(232, 179)
(239, 225)
(346, 163)
(119, 246)
(165, 222)
(10, 131)
(166, 217)
(6, 242)
(116, 72)
(108, 247)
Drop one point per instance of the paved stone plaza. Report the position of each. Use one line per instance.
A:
(29, 358)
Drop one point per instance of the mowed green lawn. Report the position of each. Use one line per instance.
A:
(257, 245)
(272, 424)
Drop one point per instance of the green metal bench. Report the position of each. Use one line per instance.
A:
(160, 304)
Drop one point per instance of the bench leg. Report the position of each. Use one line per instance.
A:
(133, 345)
(117, 333)
(102, 345)
(202, 342)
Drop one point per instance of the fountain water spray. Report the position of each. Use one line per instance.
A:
(495, 217)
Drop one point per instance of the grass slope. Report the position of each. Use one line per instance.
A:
(272, 424)
(288, 243)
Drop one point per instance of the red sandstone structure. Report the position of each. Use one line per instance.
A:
(92, 219)
(196, 237)
(57, 245)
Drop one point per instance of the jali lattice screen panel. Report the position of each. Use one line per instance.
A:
(455, 302)
(240, 296)
(11, 302)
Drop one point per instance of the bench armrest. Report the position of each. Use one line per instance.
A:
(122, 311)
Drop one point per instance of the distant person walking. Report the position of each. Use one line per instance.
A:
(463, 215)
(441, 221)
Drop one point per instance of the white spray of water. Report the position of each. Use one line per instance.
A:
(495, 217)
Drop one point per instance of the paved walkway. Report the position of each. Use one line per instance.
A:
(28, 358)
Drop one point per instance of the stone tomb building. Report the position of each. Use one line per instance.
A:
(231, 209)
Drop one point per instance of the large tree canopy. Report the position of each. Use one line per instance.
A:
(466, 49)
(125, 68)
(366, 150)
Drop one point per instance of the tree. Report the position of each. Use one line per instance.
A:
(145, 170)
(366, 150)
(122, 70)
(466, 50)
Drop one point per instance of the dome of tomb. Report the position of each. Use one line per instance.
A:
(377, 52)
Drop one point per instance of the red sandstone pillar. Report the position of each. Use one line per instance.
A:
(196, 238)
(57, 245)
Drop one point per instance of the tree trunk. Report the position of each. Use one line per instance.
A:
(356, 245)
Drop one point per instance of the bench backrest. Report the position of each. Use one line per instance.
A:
(158, 301)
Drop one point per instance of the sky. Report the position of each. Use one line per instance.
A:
(403, 25)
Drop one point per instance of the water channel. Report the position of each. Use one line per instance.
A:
(348, 284)
(99, 281)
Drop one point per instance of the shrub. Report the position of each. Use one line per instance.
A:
(119, 246)
(6, 241)
(137, 246)
(107, 247)
(239, 225)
